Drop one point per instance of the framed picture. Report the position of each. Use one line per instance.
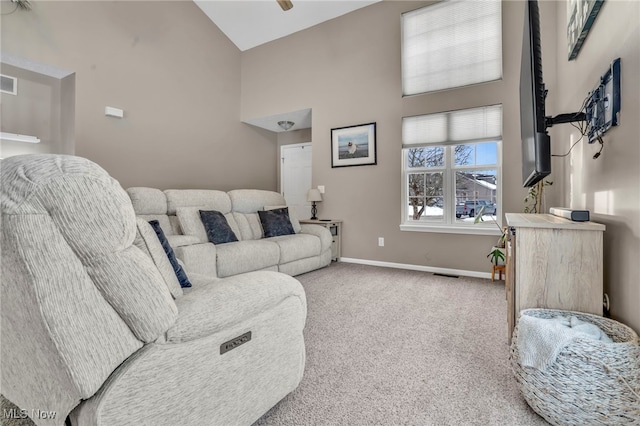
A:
(353, 145)
(580, 17)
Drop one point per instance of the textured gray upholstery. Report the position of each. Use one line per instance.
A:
(199, 256)
(248, 225)
(147, 241)
(198, 385)
(148, 201)
(89, 321)
(325, 237)
(212, 308)
(252, 200)
(151, 204)
(298, 246)
(205, 199)
(308, 249)
(246, 256)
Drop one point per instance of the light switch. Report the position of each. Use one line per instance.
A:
(321, 189)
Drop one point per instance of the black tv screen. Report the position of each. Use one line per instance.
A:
(536, 145)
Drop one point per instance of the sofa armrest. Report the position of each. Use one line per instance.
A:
(321, 232)
(225, 303)
(198, 259)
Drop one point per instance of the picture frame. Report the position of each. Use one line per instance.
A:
(353, 145)
(580, 17)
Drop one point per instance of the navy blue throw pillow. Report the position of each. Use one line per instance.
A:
(276, 222)
(180, 273)
(217, 227)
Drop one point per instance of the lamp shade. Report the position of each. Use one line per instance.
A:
(314, 195)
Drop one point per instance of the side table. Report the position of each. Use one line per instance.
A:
(335, 227)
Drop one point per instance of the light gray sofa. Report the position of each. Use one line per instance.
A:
(95, 324)
(177, 210)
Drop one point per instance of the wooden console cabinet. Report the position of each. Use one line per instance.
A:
(553, 263)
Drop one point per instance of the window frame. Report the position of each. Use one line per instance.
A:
(449, 170)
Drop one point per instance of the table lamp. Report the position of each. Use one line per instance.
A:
(314, 196)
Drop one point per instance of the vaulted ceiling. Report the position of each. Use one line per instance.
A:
(250, 23)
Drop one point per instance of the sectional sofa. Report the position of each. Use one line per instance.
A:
(95, 329)
(178, 212)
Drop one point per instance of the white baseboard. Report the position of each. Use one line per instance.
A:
(447, 271)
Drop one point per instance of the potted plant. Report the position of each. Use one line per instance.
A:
(497, 253)
(534, 201)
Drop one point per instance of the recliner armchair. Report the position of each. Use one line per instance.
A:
(93, 327)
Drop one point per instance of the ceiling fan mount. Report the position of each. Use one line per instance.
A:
(285, 4)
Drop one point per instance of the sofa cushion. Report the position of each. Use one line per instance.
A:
(181, 240)
(199, 258)
(249, 226)
(191, 223)
(276, 222)
(147, 201)
(177, 269)
(163, 219)
(147, 241)
(245, 256)
(297, 246)
(217, 227)
(204, 199)
(253, 200)
(294, 220)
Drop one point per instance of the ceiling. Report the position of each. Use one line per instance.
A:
(250, 23)
(301, 119)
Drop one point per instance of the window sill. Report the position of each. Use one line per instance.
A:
(452, 229)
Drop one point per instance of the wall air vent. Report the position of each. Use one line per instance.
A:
(8, 84)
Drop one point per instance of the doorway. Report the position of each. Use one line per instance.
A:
(42, 105)
(295, 177)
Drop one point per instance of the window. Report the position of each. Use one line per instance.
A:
(452, 168)
(451, 44)
(8, 84)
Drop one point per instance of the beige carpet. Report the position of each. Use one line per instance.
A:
(396, 347)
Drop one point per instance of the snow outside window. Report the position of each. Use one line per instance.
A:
(452, 168)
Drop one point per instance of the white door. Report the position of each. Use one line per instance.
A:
(295, 178)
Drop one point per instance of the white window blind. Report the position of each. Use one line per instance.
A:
(451, 44)
(475, 124)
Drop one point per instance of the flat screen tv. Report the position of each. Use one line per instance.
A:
(536, 144)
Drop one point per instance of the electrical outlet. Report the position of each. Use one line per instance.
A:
(380, 241)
